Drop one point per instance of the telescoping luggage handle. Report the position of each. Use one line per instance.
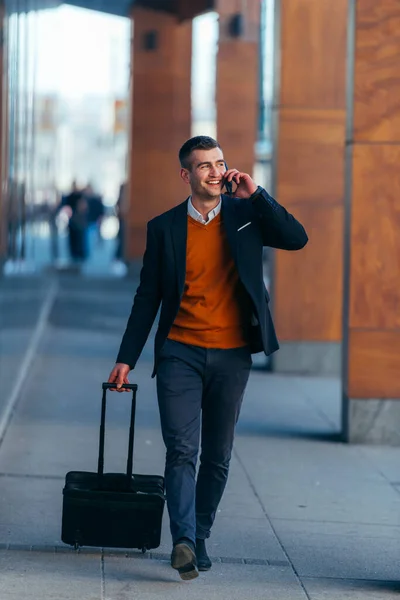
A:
(129, 469)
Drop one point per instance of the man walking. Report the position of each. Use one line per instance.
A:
(203, 264)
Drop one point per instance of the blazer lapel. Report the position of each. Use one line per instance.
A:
(229, 221)
(179, 241)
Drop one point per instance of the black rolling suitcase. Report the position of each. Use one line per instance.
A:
(113, 510)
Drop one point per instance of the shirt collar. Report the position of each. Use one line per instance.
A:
(194, 213)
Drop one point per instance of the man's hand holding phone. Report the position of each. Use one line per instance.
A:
(245, 185)
(119, 376)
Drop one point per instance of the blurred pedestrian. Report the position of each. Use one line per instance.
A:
(121, 209)
(95, 217)
(203, 264)
(16, 220)
(77, 225)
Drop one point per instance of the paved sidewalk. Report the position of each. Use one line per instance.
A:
(304, 516)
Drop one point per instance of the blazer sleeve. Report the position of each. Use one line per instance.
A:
(146, 302)
(278, 227)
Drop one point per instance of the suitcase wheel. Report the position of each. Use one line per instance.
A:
(77, 540)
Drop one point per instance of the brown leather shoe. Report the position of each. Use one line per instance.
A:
(183, 559)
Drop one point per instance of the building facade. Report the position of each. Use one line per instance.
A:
(323, 135)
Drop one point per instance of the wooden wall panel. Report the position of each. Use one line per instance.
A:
(377, 71)
(308, 284)
(310, 156)
(310, 175)
(251, 11)
(374, 364)
(375, 238)
(161, 123)
(237, 105)
(313, 53)
(238, 85)
(374, 283)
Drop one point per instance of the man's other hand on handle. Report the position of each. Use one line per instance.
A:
(119, 376)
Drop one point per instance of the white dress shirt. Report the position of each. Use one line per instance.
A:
(198, 217)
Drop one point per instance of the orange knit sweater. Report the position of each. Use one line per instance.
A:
(211, 310)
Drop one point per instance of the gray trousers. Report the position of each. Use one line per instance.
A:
(199, 390)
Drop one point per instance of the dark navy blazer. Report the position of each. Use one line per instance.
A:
(250, 224)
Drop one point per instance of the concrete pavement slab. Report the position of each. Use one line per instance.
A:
(34, 575)
(335, 483)
(363, 505)
(109, 314)
(150, 580)
(342, 589)
(248, 538)
(343, 556)
(237, 502)
(30, 511)
(306, 461)
(352, 530)
(385, 459)
(20, 313)
(64, 416)
(284, 409)
(323, 394)
(13, 344)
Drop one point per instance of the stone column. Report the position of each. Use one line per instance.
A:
(371, 385)
(161, 121)
(310, 117)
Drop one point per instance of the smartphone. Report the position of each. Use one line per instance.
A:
(228, 184)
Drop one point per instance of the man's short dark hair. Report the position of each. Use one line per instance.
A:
(200, 142)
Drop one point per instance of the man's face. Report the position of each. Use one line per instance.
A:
(206, 173)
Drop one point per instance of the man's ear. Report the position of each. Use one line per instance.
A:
(185, 175)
